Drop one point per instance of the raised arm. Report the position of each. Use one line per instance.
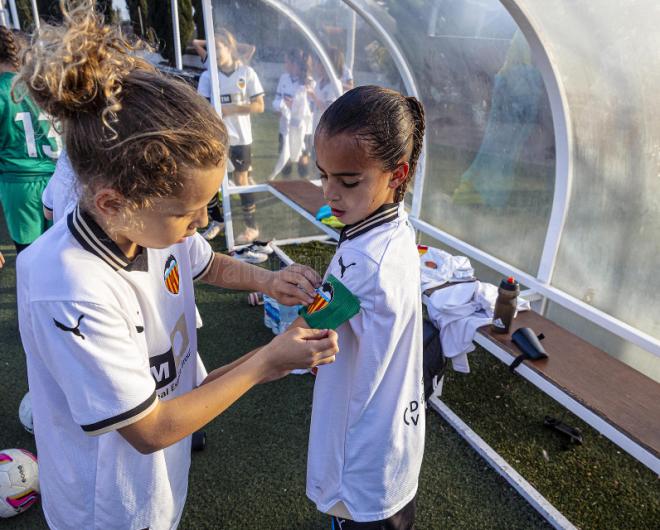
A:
(292, 285)
(173, 420)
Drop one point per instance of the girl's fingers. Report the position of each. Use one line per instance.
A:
(326, 360)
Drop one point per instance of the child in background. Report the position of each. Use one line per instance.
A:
(323, 93)
(367, 431)
(29, 146)
(106, 298)
(292, 103)
(241, 94)
(60, 195)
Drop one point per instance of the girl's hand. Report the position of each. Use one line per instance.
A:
(294, 285)
(297, 348)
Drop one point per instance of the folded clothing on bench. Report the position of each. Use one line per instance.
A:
(458, 310)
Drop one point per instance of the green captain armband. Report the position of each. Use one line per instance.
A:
(334, 304)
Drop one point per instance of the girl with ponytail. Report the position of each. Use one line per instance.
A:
(106, 299)
(367, 431)
(29, 146)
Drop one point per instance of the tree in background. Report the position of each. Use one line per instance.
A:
(24, 8)
(49, 11)
(138, 11)
(198, 17)
(160, 19)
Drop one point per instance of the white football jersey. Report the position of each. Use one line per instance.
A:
(105, 339)
(367, 432)
(326, 95)
(238, 87)
(60, 195)
(300, 113)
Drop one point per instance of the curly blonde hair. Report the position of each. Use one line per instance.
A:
(125, 125)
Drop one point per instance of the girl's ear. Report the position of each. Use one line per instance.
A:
(399, 175)
(109, 202)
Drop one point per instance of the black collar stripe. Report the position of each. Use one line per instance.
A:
(384, 214)
(371, 221)
(85, 234)
(92, 244)
(93, 241)
(366, 228)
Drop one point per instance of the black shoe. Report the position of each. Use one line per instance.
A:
(198, 441)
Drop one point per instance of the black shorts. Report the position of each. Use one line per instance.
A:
(404, 519)
(241, 157)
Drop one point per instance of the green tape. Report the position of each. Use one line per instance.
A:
(334, 304)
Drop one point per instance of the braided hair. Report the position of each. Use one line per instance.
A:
(9, 48)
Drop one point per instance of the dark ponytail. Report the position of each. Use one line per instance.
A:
(388, 124)
(419, 125)
(9, 48)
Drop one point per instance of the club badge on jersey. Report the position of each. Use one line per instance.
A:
(171, 275)
(333, 305)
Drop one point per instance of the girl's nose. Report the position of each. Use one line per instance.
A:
(201, 219)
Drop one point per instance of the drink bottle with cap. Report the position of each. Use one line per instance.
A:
(505, 305)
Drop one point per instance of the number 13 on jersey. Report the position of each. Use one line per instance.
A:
(30, 139)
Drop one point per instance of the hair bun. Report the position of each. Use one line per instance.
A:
(79, 66)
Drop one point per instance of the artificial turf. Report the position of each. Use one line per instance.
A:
(252, 473)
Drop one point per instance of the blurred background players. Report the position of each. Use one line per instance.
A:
(29, 146)
(241, 94)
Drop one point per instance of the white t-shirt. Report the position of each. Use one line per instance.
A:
(239, 87)
(105, 339)
(346, 75)
(300, 113)
(60, 195)
(326, 95)
(367, 432)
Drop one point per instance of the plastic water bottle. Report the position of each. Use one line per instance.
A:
(271, 314)
(505, 305)
(287, 315)
(278, 317)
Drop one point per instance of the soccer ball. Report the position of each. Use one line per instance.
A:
(19, 481)
(25, 413)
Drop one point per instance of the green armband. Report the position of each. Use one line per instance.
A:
(334, 304)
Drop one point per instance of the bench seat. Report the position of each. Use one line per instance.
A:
(619, 394)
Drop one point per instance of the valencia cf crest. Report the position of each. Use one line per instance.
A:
(324, 296)
(241, 83)
(171, 275)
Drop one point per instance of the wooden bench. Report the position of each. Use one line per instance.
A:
(615, 399)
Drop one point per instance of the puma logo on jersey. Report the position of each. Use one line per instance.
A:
(344, 267)
(75, 330)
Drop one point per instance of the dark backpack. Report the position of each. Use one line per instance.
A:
(435, 362)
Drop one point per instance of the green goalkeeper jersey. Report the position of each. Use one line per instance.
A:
(29, 145)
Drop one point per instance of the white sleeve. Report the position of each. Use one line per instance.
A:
(201, 255)
(278, 102)
(346, 75)
(204, 85)
(92, 352)
(47, 195)
(359, 274)
(254, 88)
